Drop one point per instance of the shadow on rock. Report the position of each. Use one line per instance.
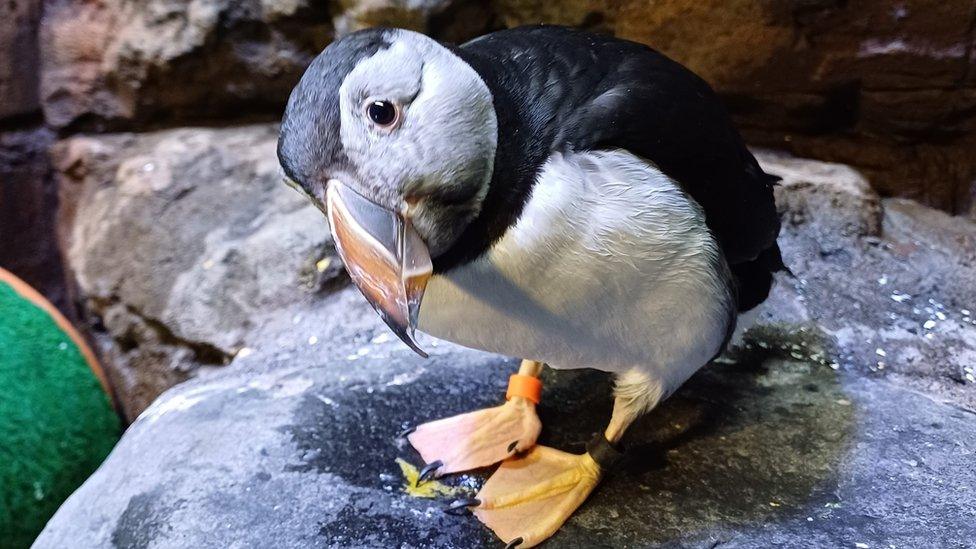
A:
(739, 444)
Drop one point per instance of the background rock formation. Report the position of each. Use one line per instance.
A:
(889, 87)
(19, 73)
(96, 90)
(128, 63)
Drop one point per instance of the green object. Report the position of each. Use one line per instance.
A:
(56, 422)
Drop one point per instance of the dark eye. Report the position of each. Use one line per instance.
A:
(382, 113)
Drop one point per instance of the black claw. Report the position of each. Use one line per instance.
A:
(511, 447)
(460, 506)
(514, 543)
(406, 432)
(428, 472)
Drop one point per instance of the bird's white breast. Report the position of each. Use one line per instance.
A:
(610, 266)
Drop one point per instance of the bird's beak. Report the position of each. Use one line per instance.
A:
(384, 255)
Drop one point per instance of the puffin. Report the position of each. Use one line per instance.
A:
(563, 197)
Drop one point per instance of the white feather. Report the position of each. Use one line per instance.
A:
(610, 266)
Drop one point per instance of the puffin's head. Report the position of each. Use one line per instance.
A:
(392, 136)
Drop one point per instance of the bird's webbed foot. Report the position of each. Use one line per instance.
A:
(476, 439)
(530, 497)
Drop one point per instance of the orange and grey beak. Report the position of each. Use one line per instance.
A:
(384, 255)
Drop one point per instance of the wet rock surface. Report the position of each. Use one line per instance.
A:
(845, 415)
(295, 446)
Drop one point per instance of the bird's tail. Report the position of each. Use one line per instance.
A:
(753, 279)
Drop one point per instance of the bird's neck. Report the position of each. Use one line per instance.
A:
(524, 143)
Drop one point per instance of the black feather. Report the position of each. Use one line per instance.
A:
(564, 90)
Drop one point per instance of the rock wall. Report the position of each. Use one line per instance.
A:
(101, 87)
(126, 64)
(889, 87)
(179, 242)
(28, 199)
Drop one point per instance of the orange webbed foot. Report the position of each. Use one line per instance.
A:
(476, 439)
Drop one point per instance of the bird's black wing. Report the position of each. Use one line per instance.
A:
(571, 90)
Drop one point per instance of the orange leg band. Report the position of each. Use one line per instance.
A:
(529, 387)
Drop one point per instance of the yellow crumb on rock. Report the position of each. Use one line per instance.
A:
(429, 489)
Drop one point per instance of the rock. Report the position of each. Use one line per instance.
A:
(178, 243)
(18, 65)
(386, 13)
(121, 63)
(808, 189)
(124, 64)
(27, 195)
(837, 422)
(28, 202)
(896, 294)
(889, 88)
(758, 453)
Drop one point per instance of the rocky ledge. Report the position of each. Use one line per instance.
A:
(845, 417)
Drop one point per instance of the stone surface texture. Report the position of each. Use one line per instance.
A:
(123, 64)
(178, 243)
(889, 282)
(844, 417)
(118, 63)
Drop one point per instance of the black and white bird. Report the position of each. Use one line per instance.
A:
(567, 198)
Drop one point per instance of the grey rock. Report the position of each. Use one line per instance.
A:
(796, 437)
(179, 242)
(133, 64)
(834, 200)
(891, 282)
(294, 446)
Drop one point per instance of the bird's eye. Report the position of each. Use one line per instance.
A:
(383, 113)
